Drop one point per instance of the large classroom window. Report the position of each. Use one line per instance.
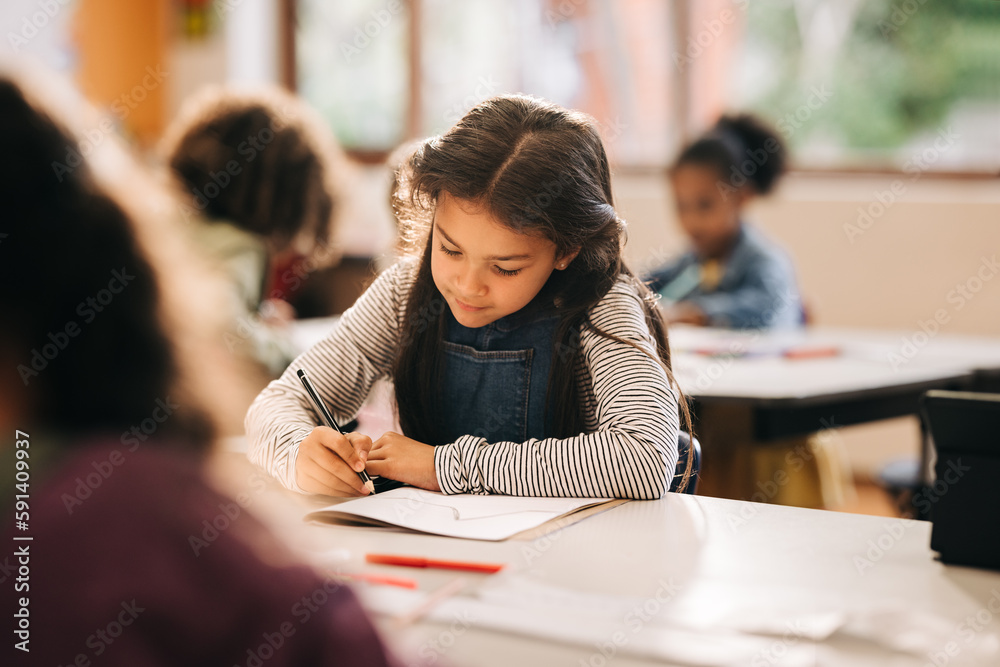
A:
(895, 83)
(851, 84)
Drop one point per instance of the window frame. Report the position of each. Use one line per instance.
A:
(682, 88)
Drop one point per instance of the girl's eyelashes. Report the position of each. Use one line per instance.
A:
(502, 272)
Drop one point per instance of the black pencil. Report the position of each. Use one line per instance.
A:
(321, 406)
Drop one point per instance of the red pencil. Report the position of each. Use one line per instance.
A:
(811, 352)
(375, 579)
(416, 561)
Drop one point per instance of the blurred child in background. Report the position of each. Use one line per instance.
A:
(257, 171)
(733, 276)
(114, 380)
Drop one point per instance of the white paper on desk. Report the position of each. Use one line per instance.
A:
(463, 515)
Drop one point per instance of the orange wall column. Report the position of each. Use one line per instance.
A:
(124, 48)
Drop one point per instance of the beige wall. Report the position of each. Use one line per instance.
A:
(895, 273)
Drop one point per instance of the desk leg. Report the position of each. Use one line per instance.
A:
(724, 432)
(804, 471)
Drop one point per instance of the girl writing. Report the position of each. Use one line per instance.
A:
(526, 358)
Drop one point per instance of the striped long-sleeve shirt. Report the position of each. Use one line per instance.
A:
(628, 450)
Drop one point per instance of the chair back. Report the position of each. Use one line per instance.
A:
(687, 447)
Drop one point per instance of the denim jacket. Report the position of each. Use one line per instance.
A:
(758, 289)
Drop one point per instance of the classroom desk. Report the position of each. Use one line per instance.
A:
(700, 567)
(746, 395)
(874, 376)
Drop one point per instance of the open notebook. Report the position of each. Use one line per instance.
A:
(464, 515)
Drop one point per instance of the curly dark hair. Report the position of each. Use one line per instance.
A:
(259, 159)
(742, 149)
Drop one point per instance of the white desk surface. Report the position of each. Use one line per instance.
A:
(868, 360)
(729, 560)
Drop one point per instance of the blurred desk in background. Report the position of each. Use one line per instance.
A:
(307, 332)
(800, 382)
(752, 389)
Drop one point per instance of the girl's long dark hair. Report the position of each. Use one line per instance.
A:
(541, 169)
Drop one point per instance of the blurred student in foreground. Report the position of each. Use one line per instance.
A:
(257, 174)
(109, 376)
(733, 276)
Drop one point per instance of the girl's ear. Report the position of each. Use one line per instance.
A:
(564, 260)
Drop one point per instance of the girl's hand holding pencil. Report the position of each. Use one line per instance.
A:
(329, 462)
(333, 463)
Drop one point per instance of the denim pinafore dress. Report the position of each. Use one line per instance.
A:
(495, 378)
